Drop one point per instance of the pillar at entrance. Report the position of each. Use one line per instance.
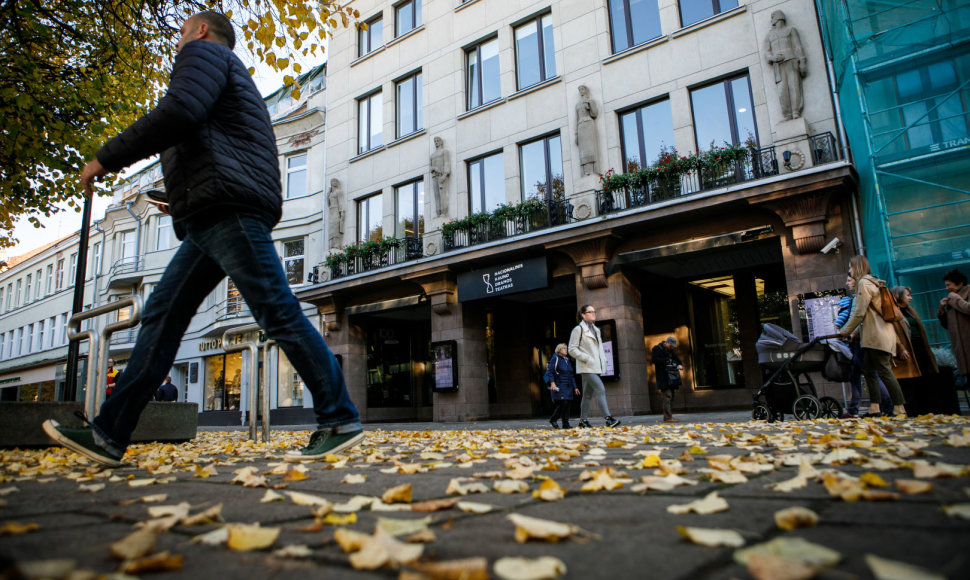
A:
(348, 343)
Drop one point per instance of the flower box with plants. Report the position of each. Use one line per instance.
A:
(483, 225)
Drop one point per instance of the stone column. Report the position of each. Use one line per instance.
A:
(749, 326)
(348, 342)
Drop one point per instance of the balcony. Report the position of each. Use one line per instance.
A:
(232, 307)
(394, 251)
(126, 272)
(551, 213)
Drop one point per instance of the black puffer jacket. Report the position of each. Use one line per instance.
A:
(215, 137)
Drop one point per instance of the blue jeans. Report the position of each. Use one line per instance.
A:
(240, 246)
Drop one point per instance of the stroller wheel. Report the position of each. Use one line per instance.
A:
(761, 413)
(831, 409)
(806, 407)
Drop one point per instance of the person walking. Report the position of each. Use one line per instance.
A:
(855, 347)
(917, 389)
(878, 340)
(110, 377)
(667, 367)
(223, 188)
(586, 346)
(168, 392)
(562, 385)
(954, 316)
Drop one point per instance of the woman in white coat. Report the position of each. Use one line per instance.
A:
(586, 346)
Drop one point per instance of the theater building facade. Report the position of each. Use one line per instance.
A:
(494, 165)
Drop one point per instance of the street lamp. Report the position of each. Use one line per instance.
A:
(70, 387)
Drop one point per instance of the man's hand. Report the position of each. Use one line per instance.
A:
(92, 170)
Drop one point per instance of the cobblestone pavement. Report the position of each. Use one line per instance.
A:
(893, 489)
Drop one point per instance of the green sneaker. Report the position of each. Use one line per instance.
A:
(83, 441)
(323, 443)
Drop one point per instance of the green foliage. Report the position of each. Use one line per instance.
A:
(670, 166)
(77, 72)
(502, 213)
(365, 250)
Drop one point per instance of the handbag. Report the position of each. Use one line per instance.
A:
(673, 375)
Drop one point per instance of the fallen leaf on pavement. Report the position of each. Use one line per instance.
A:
(160, 562)
(142, 482)
(271, 495)
(455, 486)
(397, 527)
(354, 504)
(8, 490)
(712, 537)
(210, 516)
(164, 511)
(791, 549)
(544, 568)
(602, 479)
(135, 545)
(354, 478)
(398, 494)
(474, 508)
(349, 540)
(913, 487)
(295, 475)
(293, 551)
(466, 569)
(433, 505)
(93, 487)
(382, 549)
(883, 569)
(17, 528)
(797, 482)
(213, 538)
(549, 490)
(959, 510)
(307, 499)
(509, 486)
(727, 476)
(712, 503)
(421, 537)
(527, 528)
(205, 472)
(795, 517)
(155, 498)
(872, 480)
(58, 568)
(768, 567)
(661, 482)
(244, 538)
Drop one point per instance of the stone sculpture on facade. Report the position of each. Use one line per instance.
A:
(586, 113)
(440, 172)
(336, 213)
(784, 52)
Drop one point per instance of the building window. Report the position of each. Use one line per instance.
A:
(483, 74)
(223, 382)
(410, 117)
(50, 279)
(163, 238)
(541, 165)
(289, 385)
(633, 22)
(9, 296)
(37, 281)
(51, 331)
(407, 17)
(16, 295)
(486, 182)
(409, 213)
(29, 339)
(370, 216)
(535, 55)
(16, 346)
(3, 345)
(73, 267)
(370, 114)
(128, 249)
(28, 283)
(293, 254)
(723, 114)
(645, 132)
(64, 328)
(296, 176)
(1, 299)
(692, 11)
(40, 335)
(371, 38)
(234, 299)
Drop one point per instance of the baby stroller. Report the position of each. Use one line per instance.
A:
(786, 362)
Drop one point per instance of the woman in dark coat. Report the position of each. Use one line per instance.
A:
(562, 385)
(667, 367)
(917, 389)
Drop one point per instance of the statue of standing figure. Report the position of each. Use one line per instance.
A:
(783, 48)
(586, 113)
(335, 205)
(440, 172)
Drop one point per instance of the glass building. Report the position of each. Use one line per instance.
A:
(902, 72)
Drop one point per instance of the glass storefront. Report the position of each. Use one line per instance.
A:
(289, 386)
(398, 364)
(43, 391)
(223, 382)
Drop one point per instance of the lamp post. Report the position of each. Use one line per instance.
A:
(70, 387)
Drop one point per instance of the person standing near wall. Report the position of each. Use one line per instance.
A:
(167, 393)
(586, 346)
(954, 315)
(562, 385)
(667, 367)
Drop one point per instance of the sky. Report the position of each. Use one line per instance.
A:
(67, 222)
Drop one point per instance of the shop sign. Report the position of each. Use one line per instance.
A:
(237, 339)
(10, 380)
(508, 278)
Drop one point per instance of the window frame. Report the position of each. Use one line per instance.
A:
(417, 206)
(725, 82)
(305, 168)
(50, 279)
(28, 286)
(369, 35)
(482, 183)
(416, 20)
(641, 143)
(368, 98)
(37, 280)
(477, 50)
(19, 286)
(628, 28)
(416, 78)
(287, 259)
(361, 221)
(715, 7)
(540, 36)
(545, 139)
(59, 275)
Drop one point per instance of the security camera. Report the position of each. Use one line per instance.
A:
(832, 246)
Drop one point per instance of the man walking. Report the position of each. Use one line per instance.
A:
(167, 393)
(667, 367)
(222, 180)
(954, 315)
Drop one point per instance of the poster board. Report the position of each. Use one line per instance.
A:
(818, 311)
(610, 347)
(444, 366)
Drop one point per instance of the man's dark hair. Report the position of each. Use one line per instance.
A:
(955, 276)
(219, 26)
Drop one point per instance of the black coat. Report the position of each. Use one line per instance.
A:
(215, 137)
(659, 356)
(561, 372)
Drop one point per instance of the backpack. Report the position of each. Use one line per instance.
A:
(890, 310)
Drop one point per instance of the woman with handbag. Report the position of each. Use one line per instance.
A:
(916, 386)
(667, 368)
(562, 385)
(586, 346)
(879, 343)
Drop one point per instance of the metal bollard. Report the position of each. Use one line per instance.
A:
(94, 390)
(253, 348)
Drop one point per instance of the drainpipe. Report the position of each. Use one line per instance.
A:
(97, 267)
(137, 232)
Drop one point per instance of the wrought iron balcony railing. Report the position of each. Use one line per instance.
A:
(404, 250)
(554, 213)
